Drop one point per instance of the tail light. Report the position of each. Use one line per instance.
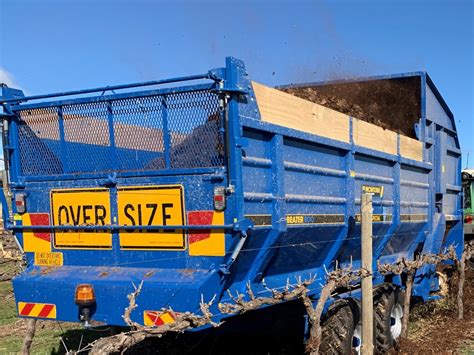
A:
(20, 202)
(219, 198)
(468, 219)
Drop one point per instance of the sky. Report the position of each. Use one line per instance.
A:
(51, 45)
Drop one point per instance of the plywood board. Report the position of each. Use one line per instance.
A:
(374, 137)
(290, 111)
(286, 110)
(411, 148)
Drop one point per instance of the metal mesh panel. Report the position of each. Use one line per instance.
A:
(179, 130)
(138, 131)
(195, 142)
(86, 132)
(38, 135)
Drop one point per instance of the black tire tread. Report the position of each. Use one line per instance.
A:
(337, 329)
(384, 300)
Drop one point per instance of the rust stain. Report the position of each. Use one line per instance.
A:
(47, 270)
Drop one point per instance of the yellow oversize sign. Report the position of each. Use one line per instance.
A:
(151, 206)
(80, 207)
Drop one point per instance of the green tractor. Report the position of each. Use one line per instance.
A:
(468, 187)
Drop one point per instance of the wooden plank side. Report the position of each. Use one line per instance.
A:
(374, 137)
(286, 110)
(411, 148)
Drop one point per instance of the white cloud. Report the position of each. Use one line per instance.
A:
(7, 78)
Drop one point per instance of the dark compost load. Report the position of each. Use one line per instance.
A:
(392, 104)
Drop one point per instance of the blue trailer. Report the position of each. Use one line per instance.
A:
(213, 182)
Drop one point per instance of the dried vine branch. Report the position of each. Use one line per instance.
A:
(405, 265)
(461, 266)
(339, 278)
(241, 305)
(132, 305)
(29, 336)
(123, 341)
(406, 303)
(409, 267)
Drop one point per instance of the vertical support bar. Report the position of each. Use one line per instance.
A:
(350, 178)
(166, 133)
(350, 201)
(14, 148)
(113, 151)
(279, 226)
(62, 139)
(429, 155)
(235, 136)
(396, 175)
(397, 186)
(278, 184)
(367, 295)
(234, 72)
(113, 193)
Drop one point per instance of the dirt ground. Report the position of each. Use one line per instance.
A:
(433, 329)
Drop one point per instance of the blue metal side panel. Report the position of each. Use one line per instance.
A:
(436, 112)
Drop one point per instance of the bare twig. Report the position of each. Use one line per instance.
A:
(406, 303)
(132, 305)
(461, 266)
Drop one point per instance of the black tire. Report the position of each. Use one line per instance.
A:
(337, 330)
(385, 300)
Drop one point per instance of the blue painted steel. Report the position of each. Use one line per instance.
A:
(166, 133)
(293, 198)
(22, 98)
(105, 98)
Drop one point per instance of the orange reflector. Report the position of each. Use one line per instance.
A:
(84, 294)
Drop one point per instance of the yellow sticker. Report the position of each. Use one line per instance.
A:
(374, 190)
(17, 217)
(352, 173)
(49, 259)
(79, 207)
(151, 206)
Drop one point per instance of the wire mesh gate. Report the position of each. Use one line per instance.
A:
(163, 131)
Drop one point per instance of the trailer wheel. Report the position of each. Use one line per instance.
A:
(337, 330)
(388, 313)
